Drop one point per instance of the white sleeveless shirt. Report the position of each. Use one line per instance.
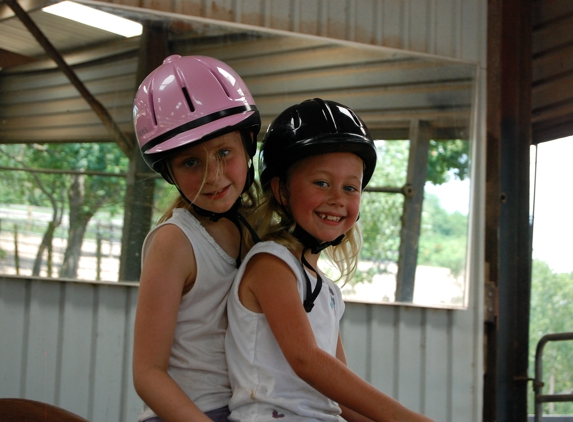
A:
(265, 387)
(197, 362)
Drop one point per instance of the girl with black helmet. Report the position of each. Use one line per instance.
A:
(196, 124)
(284, 351)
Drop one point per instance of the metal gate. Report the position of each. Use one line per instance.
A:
(538, 381)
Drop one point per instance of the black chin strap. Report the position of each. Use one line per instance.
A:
(310, 243)
(233, 215)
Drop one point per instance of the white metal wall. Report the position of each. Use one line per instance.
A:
(70, 343)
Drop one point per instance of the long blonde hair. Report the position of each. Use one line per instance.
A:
(272, 221)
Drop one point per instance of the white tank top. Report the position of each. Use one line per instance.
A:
(265, 387)
(197, 362)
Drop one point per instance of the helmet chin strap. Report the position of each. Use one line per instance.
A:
(315, 247)
(232, 214)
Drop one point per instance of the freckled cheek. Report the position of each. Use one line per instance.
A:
(355, 208)
(302, 206)
(236, 169)
(189, 182)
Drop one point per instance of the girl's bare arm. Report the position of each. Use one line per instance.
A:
(168, 268)
(270, 283)
(348, 414)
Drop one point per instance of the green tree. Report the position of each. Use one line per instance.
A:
(443, 239)
(53, 189)
(551, 312)
(447, 159)
(85, 194)
(88, 194)
(380, 212)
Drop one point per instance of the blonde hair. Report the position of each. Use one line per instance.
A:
(272, 221)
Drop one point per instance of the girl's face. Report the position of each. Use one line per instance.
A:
(212, 174)
(324, 194)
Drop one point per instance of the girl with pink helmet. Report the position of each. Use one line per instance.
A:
(196, 124)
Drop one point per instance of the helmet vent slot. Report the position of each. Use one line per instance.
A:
(188, 99)
(221, 82)
(153, 114)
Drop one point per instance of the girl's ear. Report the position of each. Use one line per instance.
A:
(279, 190)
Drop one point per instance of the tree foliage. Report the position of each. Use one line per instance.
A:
(380, 212)
(551, 312)
(85, 194)
(443, 237)
(380, 219)
(447, 158)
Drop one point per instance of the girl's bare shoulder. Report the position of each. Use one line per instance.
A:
(170, 255)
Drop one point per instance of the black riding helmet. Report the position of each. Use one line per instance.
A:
(314, 127)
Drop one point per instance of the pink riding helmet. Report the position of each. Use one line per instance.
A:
(191, 99)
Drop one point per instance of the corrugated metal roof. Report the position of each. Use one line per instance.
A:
(387, 88)
(66, 35)
(552, 71)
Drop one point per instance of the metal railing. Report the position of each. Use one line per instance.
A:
(538, 383)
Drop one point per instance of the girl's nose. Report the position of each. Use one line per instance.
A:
(212, 171)
(335, 197)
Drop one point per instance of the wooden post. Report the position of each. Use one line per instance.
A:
(508, 237)
(420, 133)
(140, 187)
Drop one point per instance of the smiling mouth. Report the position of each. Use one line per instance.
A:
(213, 194)
(330, 217)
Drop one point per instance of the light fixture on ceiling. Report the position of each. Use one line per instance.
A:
(96, 18)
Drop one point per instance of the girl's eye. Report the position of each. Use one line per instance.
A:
(321, 183)
(192, 162)
(224, 153)
(351, 189)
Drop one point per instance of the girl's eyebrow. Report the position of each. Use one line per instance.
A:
(318, 172)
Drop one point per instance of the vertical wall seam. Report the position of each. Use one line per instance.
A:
(396, 357)
(203, 11)
(295, 15)
(237, 6)
(25, 338)
(423, 358)
(350, 19)
(450, 374)
(369, 344)
(60, 342)
(405, 22)
(125, 382)
(322, 18)
(266, 14)
(377, 22)
(458, 33)
(432, 27)
(93, 351)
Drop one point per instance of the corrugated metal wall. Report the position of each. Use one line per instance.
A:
(69, 343)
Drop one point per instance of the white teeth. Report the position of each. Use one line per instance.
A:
(329, 217)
